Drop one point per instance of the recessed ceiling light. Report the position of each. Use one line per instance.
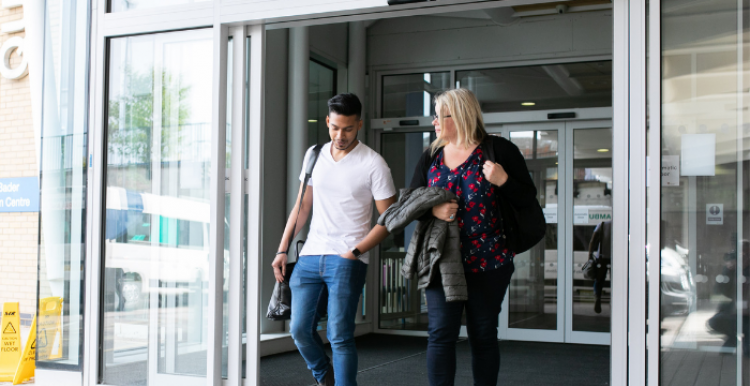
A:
(312, 120)
(603, 150)
(528, 104)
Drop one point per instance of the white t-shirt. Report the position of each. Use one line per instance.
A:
(342, 199)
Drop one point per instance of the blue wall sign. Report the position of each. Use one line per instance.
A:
(19, 194)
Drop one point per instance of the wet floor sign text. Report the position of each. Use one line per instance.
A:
(10, 341)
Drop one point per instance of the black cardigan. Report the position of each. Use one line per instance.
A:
(518, 191)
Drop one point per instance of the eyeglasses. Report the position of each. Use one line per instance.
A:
(444, 116)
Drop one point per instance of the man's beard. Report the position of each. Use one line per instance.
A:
(344, 148)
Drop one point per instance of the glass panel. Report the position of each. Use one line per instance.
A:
(533, 288)
(156, 253)
(592, 227)
(322, 88)
(129, 5)
(63, 179)
(704, 245)
(401, 305)
(545, 87)
(412, 95)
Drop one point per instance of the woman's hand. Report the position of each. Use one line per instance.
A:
(494, 173)
(446, 211)
(279, 267)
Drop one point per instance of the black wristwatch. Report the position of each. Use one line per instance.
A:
(356, 253)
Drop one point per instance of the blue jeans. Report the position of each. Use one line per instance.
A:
(486, 292)
(344, 279)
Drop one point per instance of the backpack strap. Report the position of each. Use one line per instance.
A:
(311, 161)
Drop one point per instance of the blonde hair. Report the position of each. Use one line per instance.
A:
(464, 109)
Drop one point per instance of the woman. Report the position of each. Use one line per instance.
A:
(456, 161)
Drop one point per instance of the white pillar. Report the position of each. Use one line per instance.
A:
(357, 68)
(299, 80)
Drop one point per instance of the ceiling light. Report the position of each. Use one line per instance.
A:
(528, 104)
(312, 120)
(603, 150)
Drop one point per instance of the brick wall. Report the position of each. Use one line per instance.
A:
(18, 158)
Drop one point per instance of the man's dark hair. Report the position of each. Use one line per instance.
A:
(345, 104)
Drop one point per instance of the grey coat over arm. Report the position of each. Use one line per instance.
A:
(435, 244)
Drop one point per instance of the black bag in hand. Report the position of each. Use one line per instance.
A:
(280, 306)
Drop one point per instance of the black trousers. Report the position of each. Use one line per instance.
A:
(486, 292)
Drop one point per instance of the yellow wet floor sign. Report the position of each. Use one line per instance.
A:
(10, 341)
(49, 324)
(26, 365)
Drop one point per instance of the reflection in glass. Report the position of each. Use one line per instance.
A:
(401, 305)
(704, 208)
(156, 247)
(322, 88)
(532, 294)
(129, 5)
(541, 87)
(592, 219)
(412, 95)
(63, 178)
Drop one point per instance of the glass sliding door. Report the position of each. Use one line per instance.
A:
(703, 221)
(549, 299)
(156, 247)
(535, 301)
(589, 230)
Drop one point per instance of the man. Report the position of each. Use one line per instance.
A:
(346, 178)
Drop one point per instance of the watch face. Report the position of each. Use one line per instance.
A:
(356, 252)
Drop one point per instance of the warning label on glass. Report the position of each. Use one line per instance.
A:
(714, 214)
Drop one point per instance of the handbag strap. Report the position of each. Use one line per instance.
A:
(313, 158)
(488, 148)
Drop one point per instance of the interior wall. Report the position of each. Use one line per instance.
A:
(274, 165)
(437, 40)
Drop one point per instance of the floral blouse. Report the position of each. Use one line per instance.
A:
(482, 239)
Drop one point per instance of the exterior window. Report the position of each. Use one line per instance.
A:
(412, 95)
(156, 248)
(704, 221)
(63, 177)
(545, 87)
